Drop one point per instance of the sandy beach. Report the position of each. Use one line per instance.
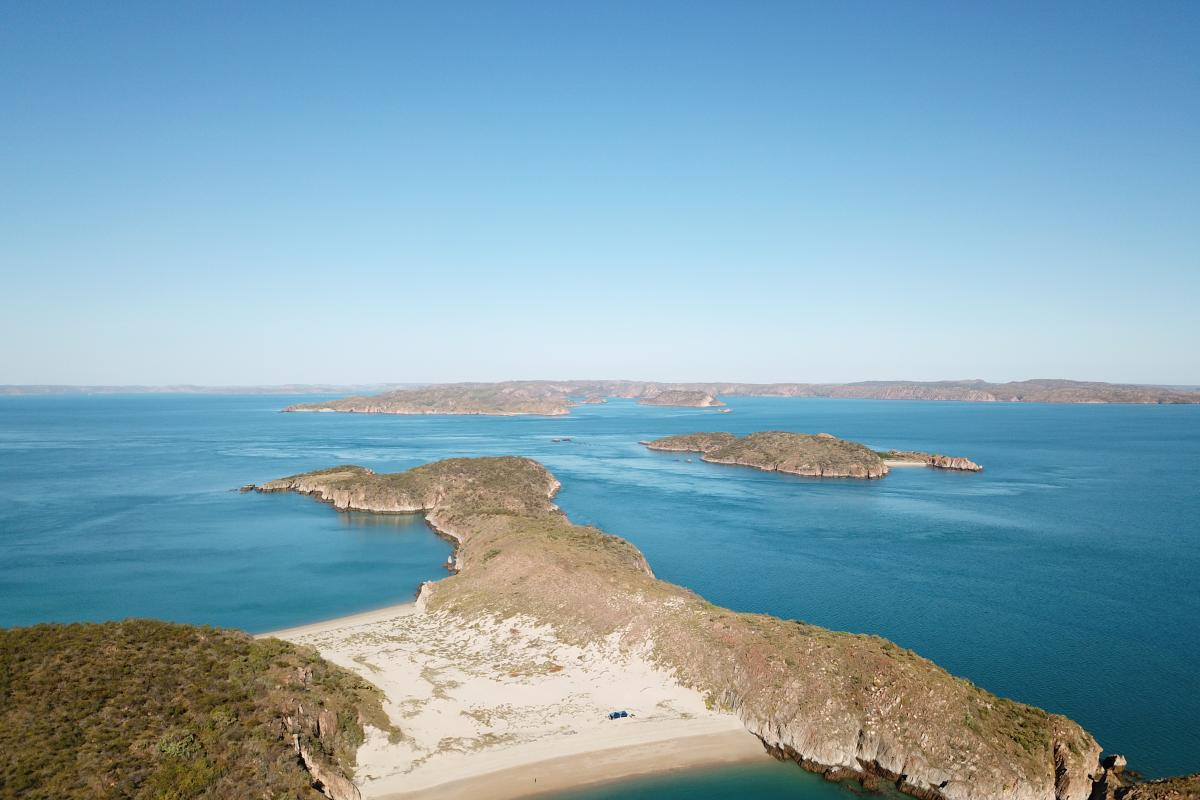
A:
(504, 709)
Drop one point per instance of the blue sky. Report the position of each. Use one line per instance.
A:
(282, 192)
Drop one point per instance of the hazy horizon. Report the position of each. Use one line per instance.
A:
(230, 194)
(384, 384)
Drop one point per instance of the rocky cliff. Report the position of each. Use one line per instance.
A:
(842, 704)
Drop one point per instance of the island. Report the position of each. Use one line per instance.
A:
(814, 455)
(687, 398)
(845, 705)
(820, 455)
(554, 398)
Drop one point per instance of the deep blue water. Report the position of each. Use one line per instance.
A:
(1066, 575)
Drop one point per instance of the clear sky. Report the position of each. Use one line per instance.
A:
(251, 193)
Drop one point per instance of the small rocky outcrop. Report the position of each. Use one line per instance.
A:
(936, 460)
(1114, 783)
(326, 780)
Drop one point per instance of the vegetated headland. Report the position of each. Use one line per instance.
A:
(848, 706)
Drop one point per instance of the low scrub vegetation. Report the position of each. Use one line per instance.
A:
(147, 709)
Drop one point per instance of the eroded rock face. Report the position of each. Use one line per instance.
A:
(329, 782)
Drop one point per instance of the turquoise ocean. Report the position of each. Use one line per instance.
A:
(1067, 575)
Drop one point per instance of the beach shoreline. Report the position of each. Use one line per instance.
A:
(594, 768)
(335, 623)
(501, 710)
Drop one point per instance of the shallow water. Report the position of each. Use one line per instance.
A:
(1065, 575)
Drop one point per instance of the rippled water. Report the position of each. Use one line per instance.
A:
(1065, 575)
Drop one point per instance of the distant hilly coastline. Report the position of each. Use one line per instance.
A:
(554, 398)
(557, 397)
(281, 389)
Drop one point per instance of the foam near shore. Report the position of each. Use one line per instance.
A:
(505, 709)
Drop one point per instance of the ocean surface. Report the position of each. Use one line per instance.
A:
(1066, 575)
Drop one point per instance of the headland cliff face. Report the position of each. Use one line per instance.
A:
(846, 705)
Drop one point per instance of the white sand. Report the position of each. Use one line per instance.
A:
(511, 702)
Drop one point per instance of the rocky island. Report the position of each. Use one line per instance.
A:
(814, 455)
(682, 397)
(846, 705)
(556, 397)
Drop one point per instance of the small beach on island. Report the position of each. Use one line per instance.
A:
(504, 709)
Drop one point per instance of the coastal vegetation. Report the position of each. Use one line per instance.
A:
(846, 705)
(155, 710)
(556, 397)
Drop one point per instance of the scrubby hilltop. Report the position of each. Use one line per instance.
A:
(154, 710)
(838, 703)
